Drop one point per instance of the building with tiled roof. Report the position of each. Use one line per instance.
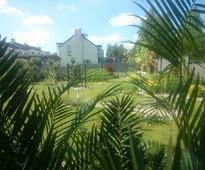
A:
(26, 52)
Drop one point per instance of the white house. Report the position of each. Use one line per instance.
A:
(80, 49)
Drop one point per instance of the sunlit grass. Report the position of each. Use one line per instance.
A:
(162, 133)
(75, 96)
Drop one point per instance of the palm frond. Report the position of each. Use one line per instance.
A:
(118, 118)
(171, 28)
(14, 112)
(83, 113)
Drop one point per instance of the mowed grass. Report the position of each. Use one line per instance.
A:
(158, 132)
(163, 133)
(78, 94)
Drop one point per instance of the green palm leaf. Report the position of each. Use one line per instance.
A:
(172, 27)
(115, 151)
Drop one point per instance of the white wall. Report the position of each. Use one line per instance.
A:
(162, 64)
(63, 52)
(81, 48)
(77, 46)
(89, 51)
(198, 69)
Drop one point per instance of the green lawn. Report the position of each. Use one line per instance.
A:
(162, 133)
(157, 132)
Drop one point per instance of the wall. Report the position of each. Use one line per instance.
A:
(77, 46)
(63, 52)
(161, 65)
(199, 69)
(89, 52)
(81, 49)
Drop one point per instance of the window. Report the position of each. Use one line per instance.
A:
(69, 51)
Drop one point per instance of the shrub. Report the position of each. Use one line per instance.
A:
(163, 85)
(170, 84)
(109, 68)
(129, 88)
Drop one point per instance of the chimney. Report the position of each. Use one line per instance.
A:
(78, 31)
(77, 52)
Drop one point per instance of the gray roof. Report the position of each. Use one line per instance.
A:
(25, 47)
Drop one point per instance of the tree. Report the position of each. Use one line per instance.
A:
(141, 55)
(52, 70)
(149, 24)
(149, 34)
(36, 70)
(144, 58)
(197, 30)
(117, 52)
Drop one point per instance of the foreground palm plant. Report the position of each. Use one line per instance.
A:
(41, 132)
(37, 132)
(171, 32)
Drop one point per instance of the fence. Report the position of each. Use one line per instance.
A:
(114, 67)
(199, 68)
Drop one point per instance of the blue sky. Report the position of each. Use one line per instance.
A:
(45, 22)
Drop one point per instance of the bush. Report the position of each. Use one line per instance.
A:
(129, 89)
(109, 68)
(170, 84)
(37, 75)
(164, 85)
(61, 75)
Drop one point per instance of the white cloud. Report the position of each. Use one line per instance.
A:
(35, 20)
(108, 39)
(124, 19)
(35, 37)
(7, 9)
(128, 45)
(70, 8)
(3, 3)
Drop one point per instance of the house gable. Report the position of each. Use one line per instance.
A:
(61, 44)
(89, 41)
(80, 48)
(63, 51)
